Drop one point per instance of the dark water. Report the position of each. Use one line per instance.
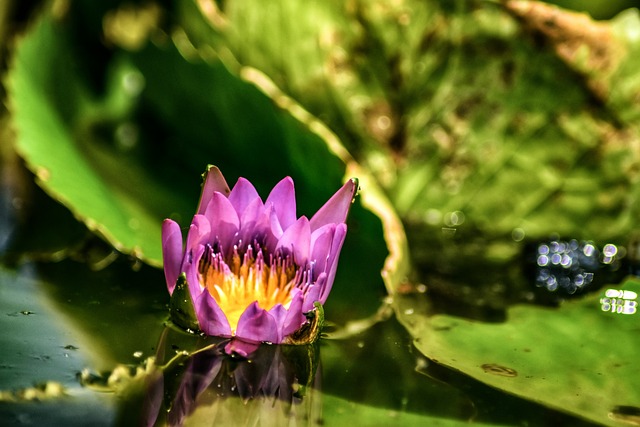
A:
(92, 333)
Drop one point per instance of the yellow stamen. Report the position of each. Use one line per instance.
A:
(241, 280)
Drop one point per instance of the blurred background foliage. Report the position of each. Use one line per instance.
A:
(477, 128)
(481, 124)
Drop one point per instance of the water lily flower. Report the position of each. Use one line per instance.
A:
(251, 269)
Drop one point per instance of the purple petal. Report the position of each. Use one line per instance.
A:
(297, 240)
(224, 221)
(257, 325)
(313, 293)
(241, 348)
(153, 397)
(264, 228)
(242, 195)
(253, 222)
(295, 315)
(283, 198)
(213, 181)
(274, 223)
(171, 252)
(201, 371)
(198, 236)
(211, 318)
(279, 314)
(321, 240)
(199, 232)
(332, 262)
(190, 268)
(337, 207)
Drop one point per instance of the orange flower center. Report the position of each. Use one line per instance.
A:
(245, 279)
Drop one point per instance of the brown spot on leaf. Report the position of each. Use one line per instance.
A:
(495, 369)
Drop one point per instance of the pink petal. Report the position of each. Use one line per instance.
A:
(190, 268)
(211, 318)
(313, 293)
(279, 314)
(171, 252)
(264, 228)
(332, 262)
(198, 236)
(297, 240)
(257, 325)
(242, 195)
(337, 207)
(295, 315)
(224, 221)
(153, 400)
(241, 348)
(274, 223)
(283, 199)
(199, 232)
(321, 240)
(253, 222)
(213, 181)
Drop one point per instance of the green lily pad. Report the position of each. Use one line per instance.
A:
(580, 358)
(47, 114)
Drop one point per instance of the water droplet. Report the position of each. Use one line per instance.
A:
(573, 245)
(566, 261)
(588, 249)
(455, 218)
(133, 83)
(518, 234)
(432, 216)
(610, 250)
(421, 364)
(543, 260)
(127, 136)
(134, 223)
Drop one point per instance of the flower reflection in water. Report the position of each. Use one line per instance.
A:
(209, 386)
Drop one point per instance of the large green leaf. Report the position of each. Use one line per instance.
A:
(578, 358)
(48, 109)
